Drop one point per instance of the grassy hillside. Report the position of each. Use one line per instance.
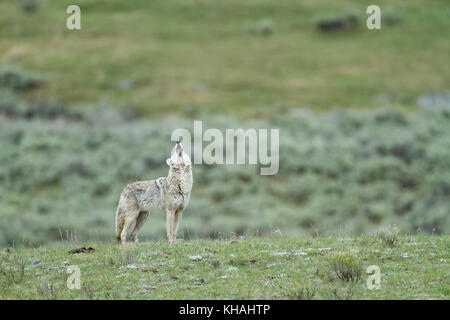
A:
(66, 151)
(61, 174)
(243, 57)
(412, 267)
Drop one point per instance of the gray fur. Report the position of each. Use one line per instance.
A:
(169, 195)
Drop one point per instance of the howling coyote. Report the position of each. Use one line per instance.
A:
(168, 194)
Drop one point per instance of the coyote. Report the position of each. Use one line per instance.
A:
(167, 194)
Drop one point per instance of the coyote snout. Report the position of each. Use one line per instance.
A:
(169, 195)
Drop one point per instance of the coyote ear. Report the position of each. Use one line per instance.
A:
(168, 162)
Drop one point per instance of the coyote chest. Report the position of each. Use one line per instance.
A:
(161, 194)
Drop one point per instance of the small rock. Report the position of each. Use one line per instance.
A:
(279, 254)
(36, 262)
(196, 258)
(208, 255)
(317, 249)
(299, 253)
(130, 267)
(145, 287)
(284, 254)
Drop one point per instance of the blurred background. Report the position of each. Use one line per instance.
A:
(364, 115)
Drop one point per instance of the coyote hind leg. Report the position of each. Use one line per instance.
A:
(127, 212)
(139, 223)
(126, 226)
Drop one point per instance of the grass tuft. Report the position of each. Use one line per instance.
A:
(390, 237)
(307, 293)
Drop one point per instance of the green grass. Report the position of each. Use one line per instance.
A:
(256, 268)
(185, 56)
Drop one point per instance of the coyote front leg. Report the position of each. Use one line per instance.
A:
(178, 215)
(170, 223)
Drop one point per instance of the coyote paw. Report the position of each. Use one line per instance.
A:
(174, 241)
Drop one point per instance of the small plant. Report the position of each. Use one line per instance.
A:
(238, 262)
(390, 237)
(347, 267)
(12, 270)
(113, 294)
(48, 291)
(343, 294)
(124, 258)
(216, 263)
(17, 79)
(365, 240)
(89, 291)
(304, 294)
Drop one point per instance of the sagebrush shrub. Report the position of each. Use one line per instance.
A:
(347, 267)
(17, 79)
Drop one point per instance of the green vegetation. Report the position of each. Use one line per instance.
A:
(256, 268)
(347, 267)
(62, 171)
(247, 58)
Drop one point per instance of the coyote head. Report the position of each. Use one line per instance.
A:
(179, 159)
